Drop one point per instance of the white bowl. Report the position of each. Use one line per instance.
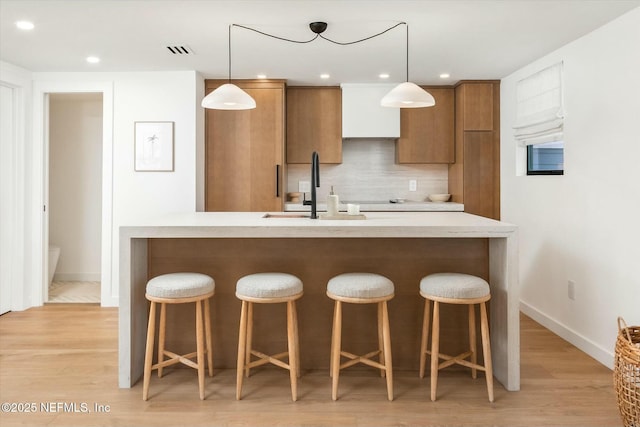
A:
(439, 197)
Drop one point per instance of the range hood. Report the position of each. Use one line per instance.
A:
(362, 114)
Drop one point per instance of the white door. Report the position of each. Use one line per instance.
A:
(7, 199)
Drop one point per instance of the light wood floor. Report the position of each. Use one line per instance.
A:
(68, 354)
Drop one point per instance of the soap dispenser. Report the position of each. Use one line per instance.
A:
(332, 203)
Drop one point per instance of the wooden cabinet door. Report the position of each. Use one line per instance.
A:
(314, 123)
(479, 174)
(477, 106)
(427, 134)
(245, 152)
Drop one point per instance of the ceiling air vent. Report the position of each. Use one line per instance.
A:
(180, 49)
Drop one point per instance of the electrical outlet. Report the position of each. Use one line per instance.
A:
(413, 185)
(304, 186)
(571, 290)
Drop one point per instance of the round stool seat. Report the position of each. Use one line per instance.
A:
(360, 285)
(268, 285)
(180, 285)
(454, 286)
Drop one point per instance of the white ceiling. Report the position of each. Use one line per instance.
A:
(472, 39)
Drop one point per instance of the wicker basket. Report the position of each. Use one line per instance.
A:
(626, 373)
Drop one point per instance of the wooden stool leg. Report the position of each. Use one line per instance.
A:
(207, 329)
(435, 348)
(387, 349)
(425, 337)
(297, 338)
(249, 339)
(200, 347)
(335, 349)
(333, 336)
(291, 345)
(486, 349)
(148, 357)
(381, 337)
(472, 339)
(161, 336)
(242, 342)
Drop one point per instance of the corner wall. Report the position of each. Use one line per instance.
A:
(583, 226)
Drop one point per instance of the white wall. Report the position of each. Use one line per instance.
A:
(141, 96)
(75, 184)
(583, 226)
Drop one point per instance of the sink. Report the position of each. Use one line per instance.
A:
(284, 215)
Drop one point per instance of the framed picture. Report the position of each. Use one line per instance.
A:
(154, 146)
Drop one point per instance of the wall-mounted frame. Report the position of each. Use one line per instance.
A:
(153, 146)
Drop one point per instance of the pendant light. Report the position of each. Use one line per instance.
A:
(407, 94)
(229, 96)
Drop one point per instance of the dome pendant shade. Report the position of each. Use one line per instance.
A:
(229, 97)
(408, 95)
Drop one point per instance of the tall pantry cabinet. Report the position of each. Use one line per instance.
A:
(245, 149)
(474, 178)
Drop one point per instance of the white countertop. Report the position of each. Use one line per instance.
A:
(377, 224)
(381, 206)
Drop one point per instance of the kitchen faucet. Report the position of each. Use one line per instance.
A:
(315, 182)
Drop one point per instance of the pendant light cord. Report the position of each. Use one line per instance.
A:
(319, 35)
(407, 32)
(230, 53)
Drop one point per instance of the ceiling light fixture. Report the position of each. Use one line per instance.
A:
(407, 94)
(25, 25)
(383, 76)
(229, 96)
(93, 59)
(325, 76)
(445, 75)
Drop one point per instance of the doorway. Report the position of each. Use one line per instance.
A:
(75, 197)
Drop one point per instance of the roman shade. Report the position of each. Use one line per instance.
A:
(539, 108)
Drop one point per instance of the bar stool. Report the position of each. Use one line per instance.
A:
(179, 288)
(455, 288)
(361, 288)
(268, 288)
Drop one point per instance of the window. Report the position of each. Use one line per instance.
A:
(546, 158)
(540, 121)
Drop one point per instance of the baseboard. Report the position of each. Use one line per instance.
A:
(76, 277)
(583, 343)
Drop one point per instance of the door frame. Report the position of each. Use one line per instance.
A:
(40, 186)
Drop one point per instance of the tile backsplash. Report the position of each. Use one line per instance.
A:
(369, 173)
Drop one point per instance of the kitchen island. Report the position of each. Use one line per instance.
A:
(404, 246)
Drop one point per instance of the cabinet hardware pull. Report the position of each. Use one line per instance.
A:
(277, 180)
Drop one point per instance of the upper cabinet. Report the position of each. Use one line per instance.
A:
(476, 106)
(362, 114)
(244, 150)
(314, 123)
(427, 134)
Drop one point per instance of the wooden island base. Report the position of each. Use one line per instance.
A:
(404, 246)
(315, 261)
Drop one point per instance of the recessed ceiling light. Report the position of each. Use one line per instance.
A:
(383, 76)
(445, 75)
(261, 76)
(324, 76)
(25, 25)
(93, 59)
